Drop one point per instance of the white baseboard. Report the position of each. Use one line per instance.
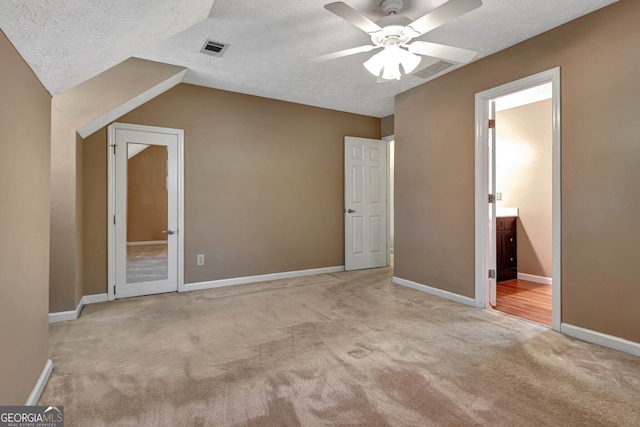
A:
(260, 278)
(434, 291)
(63, 316)
(536, 279)
(32, 400)
(94, 299)
(599, 338)
(150, 242)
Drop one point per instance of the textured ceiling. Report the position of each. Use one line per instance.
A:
(69, 41)
(271, 41)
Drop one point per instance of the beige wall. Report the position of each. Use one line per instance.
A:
(147, 195)
(386, 126)
(263, 182)
(25, 120)
(94, 208)
(71, 111)
(524, 174)
(600, 158)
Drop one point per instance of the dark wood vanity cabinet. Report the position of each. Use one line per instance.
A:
(507, 249)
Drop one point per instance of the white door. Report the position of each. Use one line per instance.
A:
(145, 210)
(492, 250)
(365, 203)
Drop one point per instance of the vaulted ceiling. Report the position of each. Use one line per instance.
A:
(66, 42)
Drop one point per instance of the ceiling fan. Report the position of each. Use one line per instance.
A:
(394, 32)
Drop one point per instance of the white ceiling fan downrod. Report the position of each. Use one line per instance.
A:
(391, 7)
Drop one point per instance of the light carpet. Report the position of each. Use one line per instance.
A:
(345, 349)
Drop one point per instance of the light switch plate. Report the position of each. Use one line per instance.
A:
(200, 259)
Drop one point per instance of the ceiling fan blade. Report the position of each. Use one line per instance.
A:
(443, 14)
(346, 52)
(348, 13)
(449, 53)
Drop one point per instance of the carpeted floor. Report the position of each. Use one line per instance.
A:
(146, 263)
(346, 349)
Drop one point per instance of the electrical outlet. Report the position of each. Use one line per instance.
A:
(200, 259)
(498, 196)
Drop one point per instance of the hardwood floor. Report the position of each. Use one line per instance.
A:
(525, 299)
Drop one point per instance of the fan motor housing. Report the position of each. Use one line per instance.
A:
(392, 33)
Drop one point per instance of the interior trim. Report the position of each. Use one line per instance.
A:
(434, 291)
(260, 278)
(63, 316)
(609, 341)
(33, 398)
(388, 139)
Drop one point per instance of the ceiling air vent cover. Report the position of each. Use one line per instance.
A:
(433, 70)
(214, 48)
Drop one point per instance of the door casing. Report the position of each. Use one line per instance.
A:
(390, 206)
(111, 204)
(483, 237)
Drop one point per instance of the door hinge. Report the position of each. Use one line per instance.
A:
(492, 123)
(114, 148)
(492, 198)
(114, 220)
(114, 289)
(492, 274)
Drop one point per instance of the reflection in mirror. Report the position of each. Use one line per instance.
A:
(146, 213)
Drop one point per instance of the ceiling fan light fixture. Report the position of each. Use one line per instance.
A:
(386, 64)
(409, 61)
(391, 71)
(376, 63)
(394, 32)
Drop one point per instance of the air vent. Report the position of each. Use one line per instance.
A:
(433, 70)
(214, 48)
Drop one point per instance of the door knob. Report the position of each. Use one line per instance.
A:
(350, 210)
(169, 231)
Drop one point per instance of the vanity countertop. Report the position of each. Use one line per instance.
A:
(505, 212)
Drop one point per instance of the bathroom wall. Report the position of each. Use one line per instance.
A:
(524, 178)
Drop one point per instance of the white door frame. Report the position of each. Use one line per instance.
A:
(482, 237)
(388, 139)
(111, 204)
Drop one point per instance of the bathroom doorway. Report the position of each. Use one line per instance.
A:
(524, 208)
(518, 197)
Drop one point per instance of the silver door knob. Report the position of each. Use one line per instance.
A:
(350, 210)
(169, 231)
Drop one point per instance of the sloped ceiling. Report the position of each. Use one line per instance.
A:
(66, 42)
(270, 42)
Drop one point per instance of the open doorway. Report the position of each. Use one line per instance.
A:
(524, 208)
(391, 144)
(518, 236)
